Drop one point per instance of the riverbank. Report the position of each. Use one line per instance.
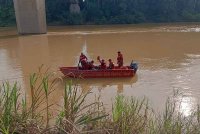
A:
(33, 113)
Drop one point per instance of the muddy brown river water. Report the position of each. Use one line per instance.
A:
(168, 56)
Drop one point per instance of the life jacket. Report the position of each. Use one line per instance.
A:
(82, 57)
(84, 64)
(103, 65)
(91, 66)
(111, 65)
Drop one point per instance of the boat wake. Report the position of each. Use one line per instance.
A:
(193, 28)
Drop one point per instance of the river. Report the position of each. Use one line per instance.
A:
(168, 56)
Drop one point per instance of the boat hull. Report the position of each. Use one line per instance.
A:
(108, 73)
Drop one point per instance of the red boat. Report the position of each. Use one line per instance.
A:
(75, 72)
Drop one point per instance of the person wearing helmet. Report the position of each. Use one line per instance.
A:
(83, 60)
(83, 57)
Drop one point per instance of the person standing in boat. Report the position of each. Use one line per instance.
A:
(102, 63)
(83, 60)
(83, 57)
(111, 64)
(120, 59)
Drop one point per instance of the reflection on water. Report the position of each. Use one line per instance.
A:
(186, 105)
(101, 84)
(168, 57)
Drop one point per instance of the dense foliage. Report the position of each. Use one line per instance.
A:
(7, 15)
(112, 11)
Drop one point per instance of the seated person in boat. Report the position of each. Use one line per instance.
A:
(111, 64)
(84, 63)
(120, 59)
(91, 65)
(102, 63)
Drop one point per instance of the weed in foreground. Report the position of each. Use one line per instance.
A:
(128, 116)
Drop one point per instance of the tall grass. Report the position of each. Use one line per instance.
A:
(21, 116)
(8, 107)
(76, 115)
(129, 115)
(173, 122)
(17, 116)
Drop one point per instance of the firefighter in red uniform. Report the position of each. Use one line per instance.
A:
(119, 59)
(83, 60)
(111, 64)
(82, 57)
(103, 63)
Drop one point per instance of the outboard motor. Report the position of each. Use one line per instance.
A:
(134, 66)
